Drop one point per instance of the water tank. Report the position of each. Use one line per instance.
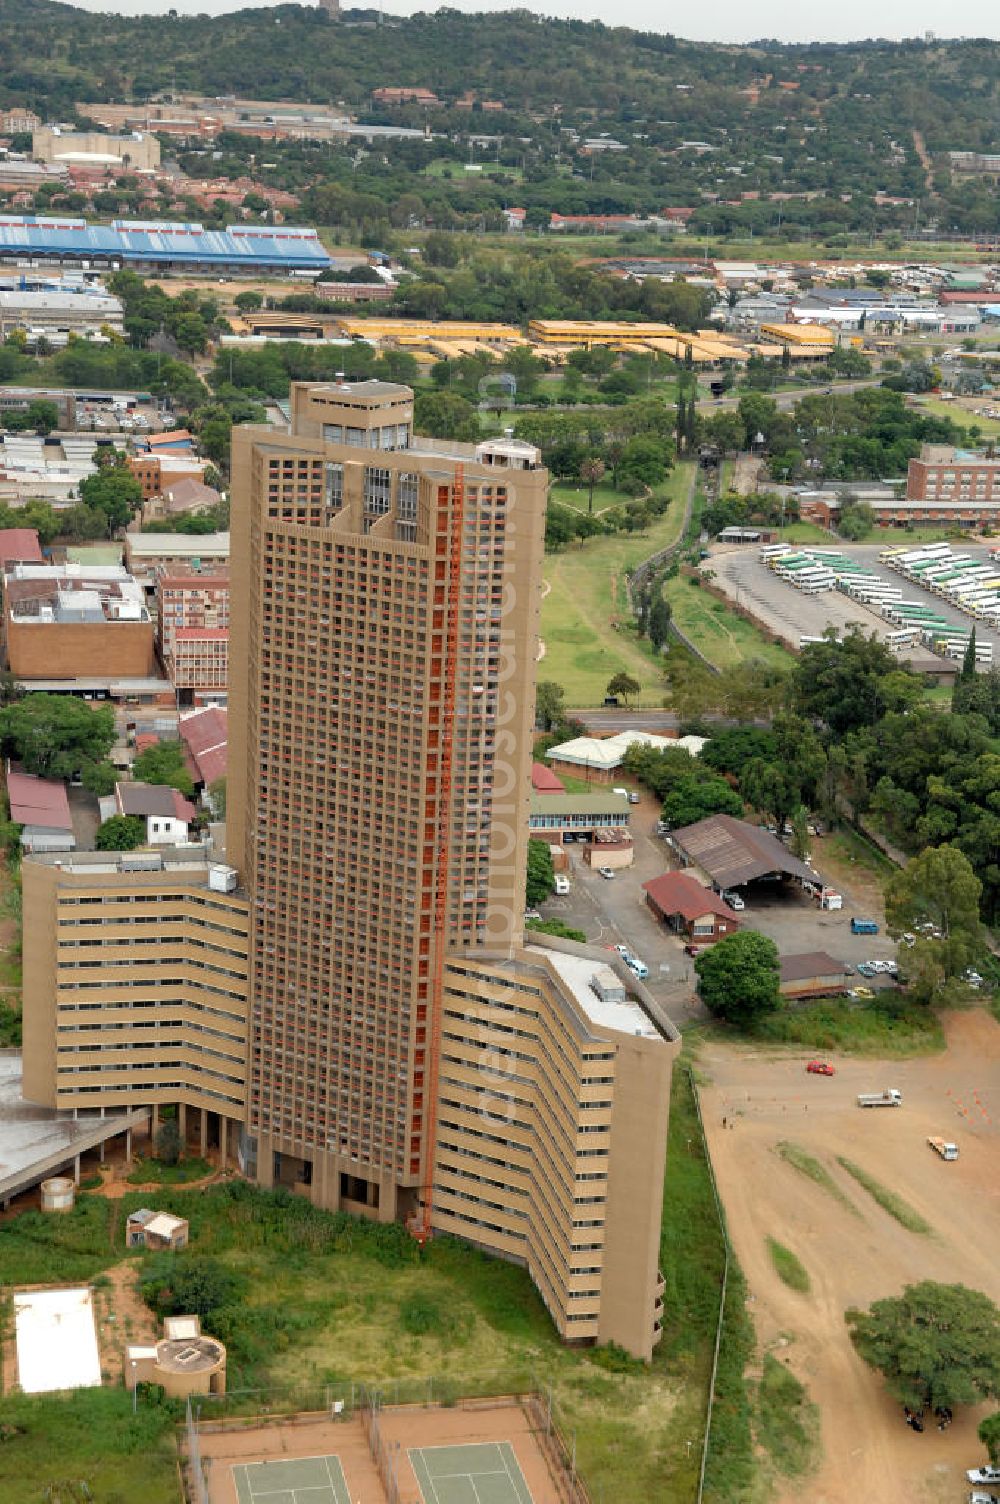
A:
(58, 1194)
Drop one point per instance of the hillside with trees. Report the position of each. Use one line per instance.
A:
(713, 127)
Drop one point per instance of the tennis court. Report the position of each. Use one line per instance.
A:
(299, 1480)
(478, 1473)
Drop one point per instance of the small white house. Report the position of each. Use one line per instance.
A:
(168, 815)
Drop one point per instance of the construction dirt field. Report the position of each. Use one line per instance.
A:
(855, 1252)
(406, 1430)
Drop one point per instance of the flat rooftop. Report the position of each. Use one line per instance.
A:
(576, 972)
(56, 1340)
(36, 1141)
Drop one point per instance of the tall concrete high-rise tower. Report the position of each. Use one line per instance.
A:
(385, 595)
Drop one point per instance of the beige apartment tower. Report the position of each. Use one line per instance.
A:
(384, 619)
(409, 1056)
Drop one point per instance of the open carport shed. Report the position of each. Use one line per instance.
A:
(731, 853)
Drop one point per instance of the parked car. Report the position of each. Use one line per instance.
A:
(861, 994)
(634, 798)
(867, 969)
(734, 901)
(639, 968)
(623, 951)
(692, 950)
(988, 1473)
(607, 872)
(532, 914)
(562, 885)
(863, 926)
(908, 939)
(973, 978)
(820, 1068)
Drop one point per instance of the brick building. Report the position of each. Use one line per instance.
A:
(60, 623)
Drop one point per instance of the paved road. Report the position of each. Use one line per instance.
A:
(787, 399)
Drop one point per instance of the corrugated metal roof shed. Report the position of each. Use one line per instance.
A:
(285, 247)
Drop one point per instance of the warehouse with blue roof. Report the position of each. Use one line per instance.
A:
(161, 245)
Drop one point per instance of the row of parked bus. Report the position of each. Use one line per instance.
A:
(967, 581)
(910, 622)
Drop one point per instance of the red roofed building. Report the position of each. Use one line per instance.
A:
(544, 781)
(19, 545)
(41, 807)
(204, 735)
(688, 908)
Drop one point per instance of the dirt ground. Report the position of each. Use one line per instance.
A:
(123, 1318)
(857, 1254)
(407, 1426)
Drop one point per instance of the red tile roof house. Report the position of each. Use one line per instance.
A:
(204, 736)
(544, 781)
(168, 815)
(41, 807)
(19, 545)
(688, 908)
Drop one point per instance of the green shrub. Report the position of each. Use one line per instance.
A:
(787, 1421)
(888, 1200)
(788, 1267)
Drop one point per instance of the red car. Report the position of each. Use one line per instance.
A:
(820, 1068)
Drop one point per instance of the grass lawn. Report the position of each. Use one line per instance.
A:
(322, 1299)
(148, 1171)
(805, 532)
(724, 638)
(887, 536)
(588, 595)
(575, 494)
(988, 427)
(847, 846)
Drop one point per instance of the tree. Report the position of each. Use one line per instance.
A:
(163, 762)
(168, 1143)
(989, 1435)
(623, 685)
(549, 704)
(939, 888)
(541, 877)
(56, 736)
(697, 796)
(842, 683)
(42, 415)
(937, 1345)
(121, 833)
(772, 790)
(446, 415)
(659, 621)
(249, 301)
(591, 472)
(738, 978)
(969, 661)
(189, 1283)
(856, 521)
(114, 492)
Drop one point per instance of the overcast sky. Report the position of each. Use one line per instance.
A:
(725, 21)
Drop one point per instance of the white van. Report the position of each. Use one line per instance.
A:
(623, 792)
(562, 885)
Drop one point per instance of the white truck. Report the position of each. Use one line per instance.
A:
(944, 1148)
(888, 1098)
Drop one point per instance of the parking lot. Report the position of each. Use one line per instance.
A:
(791, 614)
(612, 912)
